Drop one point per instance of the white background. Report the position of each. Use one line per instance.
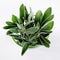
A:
(9, 50)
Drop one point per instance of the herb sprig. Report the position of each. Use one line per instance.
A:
(30, 30)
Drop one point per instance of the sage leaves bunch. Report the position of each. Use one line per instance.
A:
(29, 30)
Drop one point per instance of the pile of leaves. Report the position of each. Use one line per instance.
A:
(30, 30)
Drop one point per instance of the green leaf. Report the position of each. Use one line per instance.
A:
(9, 32)
(8, 27)
(49, 18)
(14, 30)
(14, 19)
(48, 26)
(45, 32)
(45, 39)
(44, 42)
(32, 30)
(10, 23)
(23, 13)
(17, 37)
(38, 16)
(25, 47)
(17, 42)
(47, 13)
(39, 41)
(28, 23)
(19, 21)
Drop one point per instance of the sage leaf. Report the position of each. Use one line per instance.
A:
(38, 16)
(48, 26)
(14, 19)
(32, 30)
(25, 47)
(9, 32)
(8, 27)
(17, 37)
(45, 32)
(23, 12)
(49, 18)
(44, 42)
(14, 30)
(10, 23)
(47, 13)
(29, 23)
(45, 39)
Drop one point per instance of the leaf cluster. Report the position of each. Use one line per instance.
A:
(30, 30)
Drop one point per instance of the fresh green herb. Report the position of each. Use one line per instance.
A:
(30, 30)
